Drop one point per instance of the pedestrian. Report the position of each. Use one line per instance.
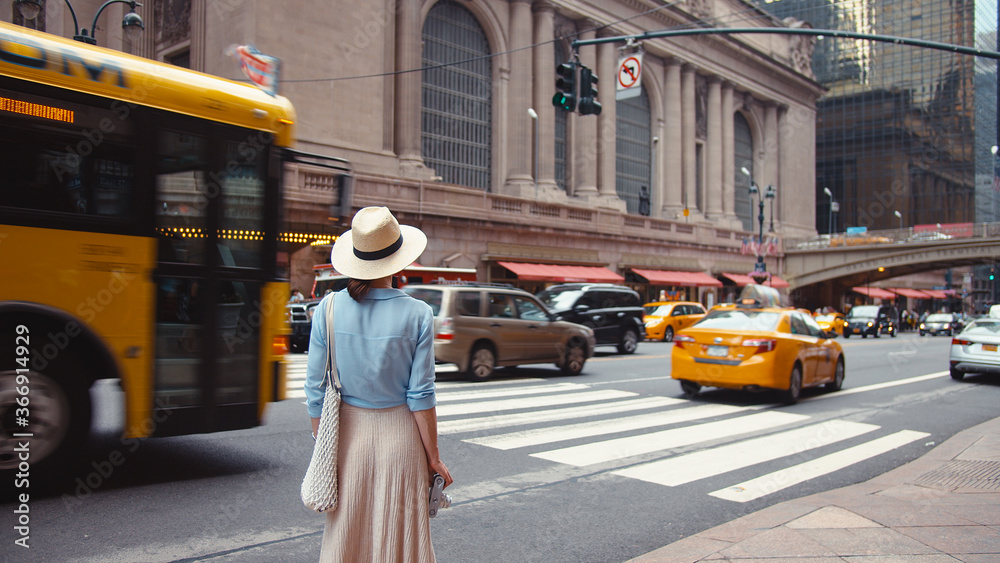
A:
(296, 297)
(388, 446)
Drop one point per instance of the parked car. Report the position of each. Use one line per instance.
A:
(831, 323)
(479, 327)
(756, 346)
(299, 317)
(941, 323)
(664, 318)
(874, 320)
(976, 349)
(614, 312)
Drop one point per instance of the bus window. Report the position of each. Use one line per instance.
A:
(242, 228)
(181, 201)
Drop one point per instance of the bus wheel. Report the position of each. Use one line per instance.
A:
(58, 419)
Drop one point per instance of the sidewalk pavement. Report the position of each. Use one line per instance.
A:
(944, 506)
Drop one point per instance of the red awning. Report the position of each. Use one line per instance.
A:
(690, 279)
(743, 279)
(935, 293)
(907, 292)
(875, 292)
(562, 273)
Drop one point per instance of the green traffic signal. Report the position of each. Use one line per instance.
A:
(565, 98)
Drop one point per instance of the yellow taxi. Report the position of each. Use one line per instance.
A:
(664, 318)
(757, 345)
(831, 323)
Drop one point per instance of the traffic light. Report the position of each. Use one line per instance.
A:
(565, 98)
(588, 94)
(992, 277)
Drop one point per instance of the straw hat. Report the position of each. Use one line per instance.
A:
(376, 246)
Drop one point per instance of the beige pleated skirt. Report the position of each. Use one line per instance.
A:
(383, 484)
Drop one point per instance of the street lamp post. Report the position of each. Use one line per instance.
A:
(900, 217)
(770, 194)
(829, 228)
(534, 118)
(131, 23)
(760, 268)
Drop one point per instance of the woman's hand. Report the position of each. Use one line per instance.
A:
(441, 469)
(315, 425)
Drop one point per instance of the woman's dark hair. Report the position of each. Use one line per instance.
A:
(358, 289)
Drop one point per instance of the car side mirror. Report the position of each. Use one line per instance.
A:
(581, 308)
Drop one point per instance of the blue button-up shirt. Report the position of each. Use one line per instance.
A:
(385, 351)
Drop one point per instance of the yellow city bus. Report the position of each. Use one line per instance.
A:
(140, 205)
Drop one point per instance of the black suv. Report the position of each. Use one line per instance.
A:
(875, 320)
(614, 312)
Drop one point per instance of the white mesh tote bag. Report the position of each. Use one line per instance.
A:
(319, 487)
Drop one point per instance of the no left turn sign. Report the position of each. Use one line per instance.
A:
(629, 77)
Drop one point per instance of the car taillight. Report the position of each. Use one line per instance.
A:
(279, 346)
(761, 344)
(446, 330)
(960, 342)
(683, 338)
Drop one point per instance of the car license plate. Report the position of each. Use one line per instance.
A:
(989, 347)
(718, 351)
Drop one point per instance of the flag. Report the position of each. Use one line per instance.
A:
(261, 69)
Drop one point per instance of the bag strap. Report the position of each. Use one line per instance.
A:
(331, 359)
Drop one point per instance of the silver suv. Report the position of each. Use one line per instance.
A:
(479, 327)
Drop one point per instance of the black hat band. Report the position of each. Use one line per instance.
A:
(380, 254)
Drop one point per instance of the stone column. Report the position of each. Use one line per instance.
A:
(520, 135)
(544, 87)
(688, 111)
(408, 87)
(584, 142)
(772, 153)
(672, 152)
(728, 154)
(713, 174)
(607, 146)
(198, 37)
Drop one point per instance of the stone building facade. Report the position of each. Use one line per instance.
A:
(452, 148)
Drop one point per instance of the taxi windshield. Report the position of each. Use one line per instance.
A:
(740, 319)
(822, 318)
(658, 310)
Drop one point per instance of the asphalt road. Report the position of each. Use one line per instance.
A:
(599, 467)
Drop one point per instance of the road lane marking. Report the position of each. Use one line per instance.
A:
(533, 402)
(877, 386)
(778, 480)
(686, 468)
(608, 450)
(515, 419)
(473, 394)
(552, 434)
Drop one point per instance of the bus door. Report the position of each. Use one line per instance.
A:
(213, 187)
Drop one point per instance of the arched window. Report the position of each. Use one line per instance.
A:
(560, 128)
(743, 154)
(632, 147)
(456, 103)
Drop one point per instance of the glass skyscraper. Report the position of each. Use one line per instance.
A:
(899, 130)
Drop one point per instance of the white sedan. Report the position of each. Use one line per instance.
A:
(976, 349)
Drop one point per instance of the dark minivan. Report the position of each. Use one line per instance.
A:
(875, 320)
(614, 312)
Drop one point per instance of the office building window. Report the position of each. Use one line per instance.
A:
(743, 153)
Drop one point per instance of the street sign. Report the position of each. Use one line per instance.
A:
(629, 83)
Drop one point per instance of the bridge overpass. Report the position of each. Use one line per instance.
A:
(825, 267)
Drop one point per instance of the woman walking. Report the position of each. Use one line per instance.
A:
(388, 448)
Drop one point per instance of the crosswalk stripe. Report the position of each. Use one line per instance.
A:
(532, 402)
(778, 480)
(608, 450)
(449, 396)
(565, 413)
(549, 435)
(465, 385)
(716, 461)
